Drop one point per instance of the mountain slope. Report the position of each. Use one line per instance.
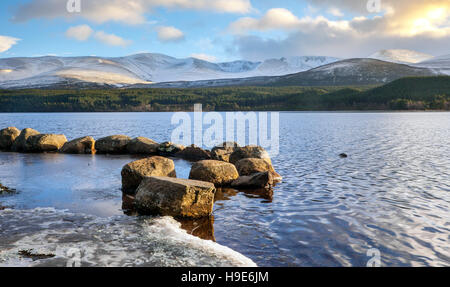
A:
(353, 72)
(350, 72)
(439, 64)
(400, 56)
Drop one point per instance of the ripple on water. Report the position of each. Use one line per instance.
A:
(391, 193)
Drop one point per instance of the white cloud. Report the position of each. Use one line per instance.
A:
(128, 12)
(80, 33)
(204, 57)
(84, 32)
(169, 34)
(276, 18)
(7, 42)
(335, 12)
(111, 39)
(403, 24)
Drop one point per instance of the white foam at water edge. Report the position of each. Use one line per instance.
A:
(117, 241)
(170, 228)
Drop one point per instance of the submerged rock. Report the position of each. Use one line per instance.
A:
(45, 143)
(7, 137)
(217, 172)
(250, 166)
(249, 152)
(134, 172)
(6, 190)
(141, 145)
(257, 180)
(116, 144)
(222, 152)
(175, 197)
(194, 153)
(84, 145)
(20, 142)
(169, 149)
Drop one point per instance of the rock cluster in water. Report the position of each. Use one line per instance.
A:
(152, 181)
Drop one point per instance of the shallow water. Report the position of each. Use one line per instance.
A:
(392, 193)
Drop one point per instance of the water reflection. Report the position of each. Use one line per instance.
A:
(223, 194)
(200, 227)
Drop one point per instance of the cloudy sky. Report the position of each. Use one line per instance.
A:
(223, 30)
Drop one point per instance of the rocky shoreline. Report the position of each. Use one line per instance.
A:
(151, 183)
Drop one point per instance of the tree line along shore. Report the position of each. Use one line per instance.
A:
(151, 183)
(414, 93)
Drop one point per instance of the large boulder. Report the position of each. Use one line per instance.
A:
(249, 166)
(134, 172)
(141, 145)
(194, 153)
(45, 143)
(116, 144)
(84, 145)
(169, 149)
(7, 137)
(175, 197)
(223, 151)
(20, 142)
(251, 151)
(257, 180)
(218, 172)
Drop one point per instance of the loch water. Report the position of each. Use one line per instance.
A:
(390, 196)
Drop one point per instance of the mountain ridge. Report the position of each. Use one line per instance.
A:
(144, 68)
(162, 71)
(357, 71)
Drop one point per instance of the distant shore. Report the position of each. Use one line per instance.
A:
(407, 94)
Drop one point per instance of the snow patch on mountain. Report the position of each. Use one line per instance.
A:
(439, 64)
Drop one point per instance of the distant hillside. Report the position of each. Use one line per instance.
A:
(413, 93)
(353, 72)
(343, 73)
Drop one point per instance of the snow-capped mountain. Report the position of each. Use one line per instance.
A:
(400, 56)
(342, 73)
(139, 69)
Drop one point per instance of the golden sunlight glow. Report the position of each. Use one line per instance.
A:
(437, 14)
(430, 23)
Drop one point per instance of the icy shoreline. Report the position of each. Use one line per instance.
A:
(85, 240)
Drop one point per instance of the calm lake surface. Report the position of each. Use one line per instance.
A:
(392, 193)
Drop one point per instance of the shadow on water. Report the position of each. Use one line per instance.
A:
(223, 194)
